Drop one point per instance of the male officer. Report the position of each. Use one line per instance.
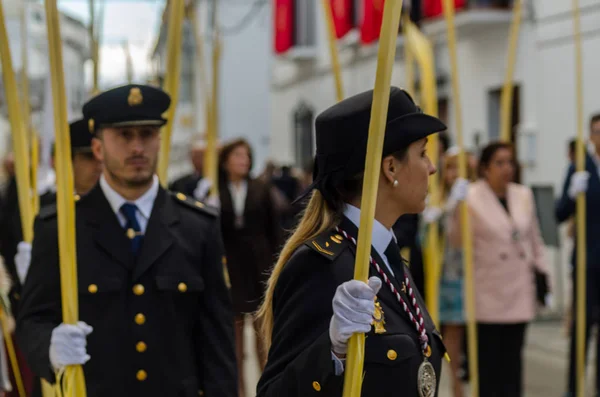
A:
(86, 173)
(587, 182)
(188, 183)
(155, 310)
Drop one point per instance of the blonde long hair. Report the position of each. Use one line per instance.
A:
(317, 218)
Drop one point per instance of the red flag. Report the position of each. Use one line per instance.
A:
(283, 23)
(372, 17)
(433, 8)
(342, 16)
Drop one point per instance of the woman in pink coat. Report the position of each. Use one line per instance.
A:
(508, 253)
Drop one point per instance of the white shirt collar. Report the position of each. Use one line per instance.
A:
(381, 236)
(144, 204)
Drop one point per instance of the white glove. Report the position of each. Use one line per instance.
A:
(353, 308)
(23, 260)
(432, 215)
(202, 189)
(579, 184)
(68, 345)
(458, 193)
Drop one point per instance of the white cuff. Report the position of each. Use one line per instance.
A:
(338, 364)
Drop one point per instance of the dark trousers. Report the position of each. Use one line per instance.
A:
(500, 353)
(592, 306)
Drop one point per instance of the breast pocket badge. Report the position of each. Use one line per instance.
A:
(378, 318)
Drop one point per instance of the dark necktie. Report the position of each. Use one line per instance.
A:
(392, 253)
(132, 227)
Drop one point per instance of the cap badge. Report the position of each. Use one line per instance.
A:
(91, 125)
(135, 97)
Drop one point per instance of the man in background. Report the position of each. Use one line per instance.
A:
(188, 183)
(587, 182)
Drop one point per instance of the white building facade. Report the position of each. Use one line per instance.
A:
(544, 103)
(75, 52)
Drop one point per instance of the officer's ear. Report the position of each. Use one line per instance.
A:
(388, 169)
(97, 148)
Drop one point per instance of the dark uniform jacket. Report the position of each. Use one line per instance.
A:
(186, 184)
(11, 234)
(300, 361)
(163, 324)
(566, 207)
(250, 249)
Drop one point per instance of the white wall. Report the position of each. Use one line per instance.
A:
(245, 72)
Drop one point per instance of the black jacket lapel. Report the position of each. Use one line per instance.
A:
(106, 230)
(158, 238)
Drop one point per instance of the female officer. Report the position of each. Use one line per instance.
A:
(312, 305)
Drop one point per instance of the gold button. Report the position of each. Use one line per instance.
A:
(140, 347)
(77, 197)
(199, 204)
(392, 355)
(181, 196)
(140, 319)
(317, 386)
(182, 287)
(138, 289)
(141, 375)
(93, 288)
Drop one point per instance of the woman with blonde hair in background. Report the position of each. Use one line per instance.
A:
(451, 293)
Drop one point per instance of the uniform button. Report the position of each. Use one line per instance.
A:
(182, 287)
(138, 289)
(140, 347)
(140, 319)
(200, 392)
(141, 375)
(317, 386)
(92, 288)
(392, 355)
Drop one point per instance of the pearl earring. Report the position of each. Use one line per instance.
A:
(395, 184)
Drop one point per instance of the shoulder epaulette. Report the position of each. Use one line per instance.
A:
(330, 244)
(50, 210)
(194, 204)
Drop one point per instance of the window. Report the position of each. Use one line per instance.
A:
(305, 16)
(303, 135)
(187, 65)
(357, 12)
(494, 104)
